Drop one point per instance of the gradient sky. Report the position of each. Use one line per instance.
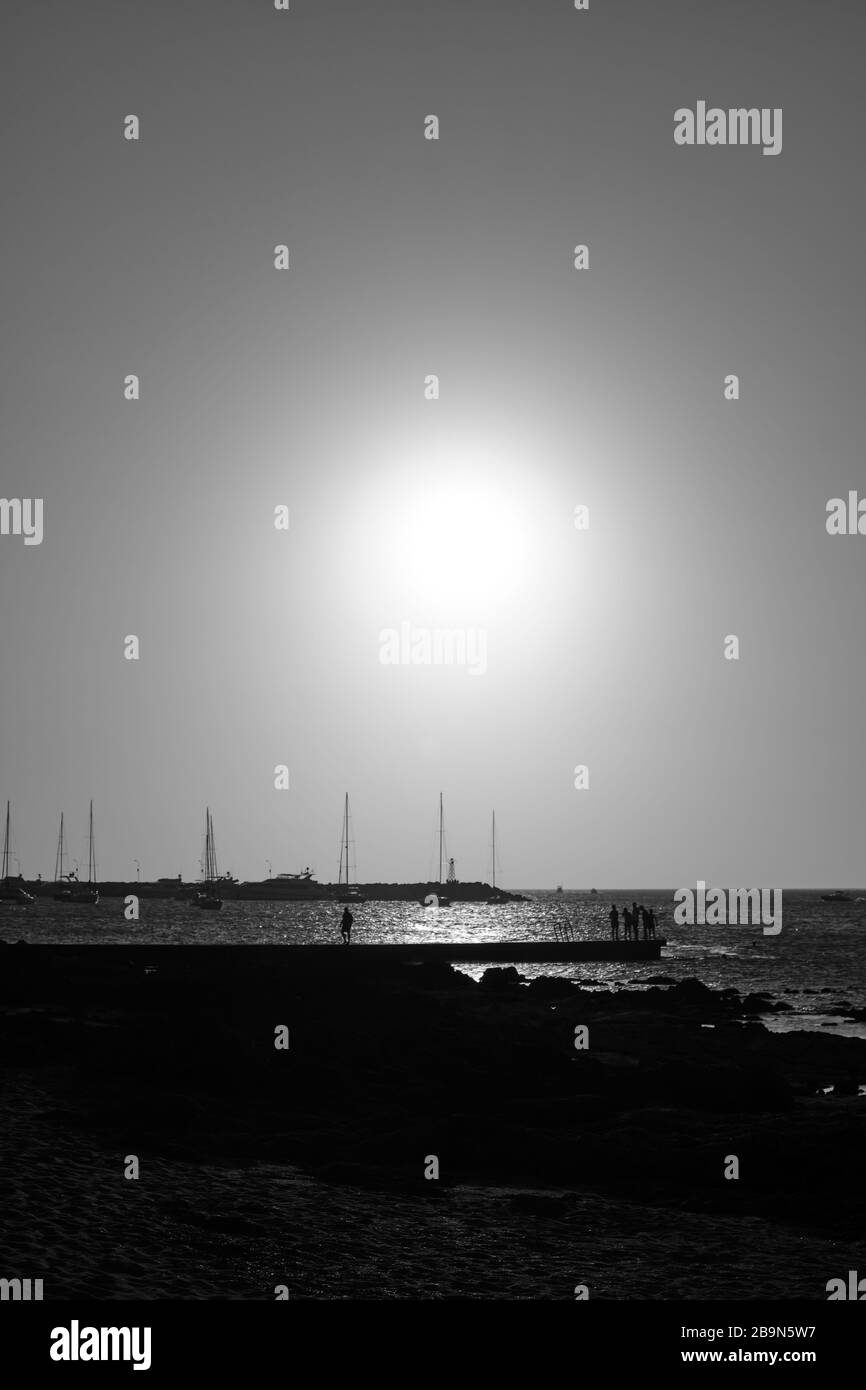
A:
(558, 387)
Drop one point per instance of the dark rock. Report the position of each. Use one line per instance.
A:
(501, 979)
(694, 991)
(723, 1087)
(761, 1004)
(846, 1088)
(549, 987)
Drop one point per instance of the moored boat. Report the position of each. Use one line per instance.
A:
(79, 894)
(208, 898)
(349, 893)
(442, 899)
(497, 897)
(12, 890)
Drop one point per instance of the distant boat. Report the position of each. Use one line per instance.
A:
(81, 894)
(559, 887)
(11, 890)
(441, 899)
(593, 892)
(349, 891)
(208, 898)
(61, 879)
(286, 887)
(837, 896)
(497, 897)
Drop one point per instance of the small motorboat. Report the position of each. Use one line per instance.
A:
(11, 891)
(83, 894)
(837, 896)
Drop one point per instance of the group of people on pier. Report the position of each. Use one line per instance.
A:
(632, 920)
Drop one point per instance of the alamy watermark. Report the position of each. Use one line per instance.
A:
(854, 1290)
(425, 646)
(77, 1343)
(736, 126)
(720, 907)
(846, 518)
(22, 516)
(21, 1290)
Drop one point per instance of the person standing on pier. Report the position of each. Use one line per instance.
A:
(346, 926)
(614, 922)
(626, 921)
(650, 925)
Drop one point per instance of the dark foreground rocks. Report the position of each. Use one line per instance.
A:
(170, 1053)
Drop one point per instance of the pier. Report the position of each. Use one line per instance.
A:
(330, 956)
(492, 952)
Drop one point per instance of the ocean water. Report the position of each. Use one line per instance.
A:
(816, 964)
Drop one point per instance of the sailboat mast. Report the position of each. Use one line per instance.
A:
(493, 842)
(6, 845)
(346, 829)
(58, 862)
(91, 860)
(440, 837)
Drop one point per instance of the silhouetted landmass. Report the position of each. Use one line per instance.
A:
(277, 890)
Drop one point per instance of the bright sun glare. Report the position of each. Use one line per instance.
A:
(458, 544)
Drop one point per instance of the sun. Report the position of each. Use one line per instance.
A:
(458, 543)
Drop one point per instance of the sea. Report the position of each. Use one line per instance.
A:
(816, 965)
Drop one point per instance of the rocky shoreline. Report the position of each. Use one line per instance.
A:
(168, 1053)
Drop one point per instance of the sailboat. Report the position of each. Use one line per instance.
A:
(12, 890)
(441, 899)
(60, 878)
(497, 897)
(348, 894)
(208, 898)
(84, 894)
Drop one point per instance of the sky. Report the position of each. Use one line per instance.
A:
(558, 388)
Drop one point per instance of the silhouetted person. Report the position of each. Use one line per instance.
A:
(614, 922)
(626, 919)
(643, 917)
(651, 924)
(346, 926)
